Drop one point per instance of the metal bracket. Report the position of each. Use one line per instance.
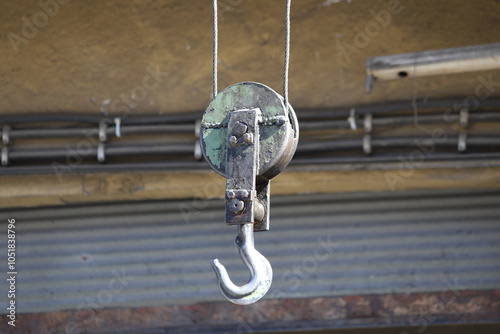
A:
(246, 202)
(102, 131)
(118, 127)
(352, 119)
(6, 134)
(367, 144)
(101, 156)
(368, 123)
(5, 156)
(464, 117)
(462, 142)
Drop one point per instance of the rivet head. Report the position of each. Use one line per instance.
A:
(248, 138)
(236, 205)
(233, 140)
(239, 129)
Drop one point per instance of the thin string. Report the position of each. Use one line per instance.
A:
(287, 54)
(215, 47)
(287, 51)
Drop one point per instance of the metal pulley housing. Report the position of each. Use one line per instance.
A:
(278, 128)
(248, 135)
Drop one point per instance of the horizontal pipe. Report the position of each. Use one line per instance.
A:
(341, 162)
(70, 117)
(191, 117)
(109, 150)
(434, 62)
(81, 132)
(94, 132)
(444, 105)
(401, 120)
(395, 142)
(304, 148)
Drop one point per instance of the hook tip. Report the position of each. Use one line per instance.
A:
(218, 268)
(215, 262)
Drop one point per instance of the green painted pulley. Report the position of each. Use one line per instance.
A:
(278, 128)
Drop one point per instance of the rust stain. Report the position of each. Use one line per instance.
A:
(327, 312)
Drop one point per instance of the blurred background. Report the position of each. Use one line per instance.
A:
(387, 220)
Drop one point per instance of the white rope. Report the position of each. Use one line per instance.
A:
(287, 51)
(214, 93)
(287, 54)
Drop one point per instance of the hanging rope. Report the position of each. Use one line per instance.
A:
(287, 51)
(215, 46)
(287, 54)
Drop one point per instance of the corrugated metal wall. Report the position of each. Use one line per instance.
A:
(156, 253)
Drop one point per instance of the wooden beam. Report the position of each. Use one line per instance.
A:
(47, 189)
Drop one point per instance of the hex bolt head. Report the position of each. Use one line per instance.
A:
(248, 138)
(236, 205)
(245, 193)
(233, 140)
(230, 194)
(239, 129)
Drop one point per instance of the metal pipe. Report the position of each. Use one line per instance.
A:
(434, 62)
(79, 132)
(111, 151)
(186, 148)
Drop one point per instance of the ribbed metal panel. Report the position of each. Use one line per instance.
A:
(68, 257)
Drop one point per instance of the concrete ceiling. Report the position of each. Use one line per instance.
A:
(87, 56)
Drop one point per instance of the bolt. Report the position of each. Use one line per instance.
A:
(230, 194)
(236, 206)
(233, 140)
(239, 129)
(248, 138)
(259, 212)
(244, 193)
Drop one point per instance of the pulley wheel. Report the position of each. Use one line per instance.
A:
(279, 132)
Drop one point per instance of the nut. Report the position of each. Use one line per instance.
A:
(233, 140)
(248, 138)
(236, 205)
(239, 129)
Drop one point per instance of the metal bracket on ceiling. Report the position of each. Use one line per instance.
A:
(464, 117)
(352, 119)
(5, 140)
(6, 134)
(5, 156)
(118, 127)
(101, 155)
(462, 142)
(432, 62)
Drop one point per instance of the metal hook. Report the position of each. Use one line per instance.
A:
(259, 266)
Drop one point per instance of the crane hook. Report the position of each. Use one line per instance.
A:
(259, 266)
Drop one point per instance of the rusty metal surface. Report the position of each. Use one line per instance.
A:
(413, 313)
